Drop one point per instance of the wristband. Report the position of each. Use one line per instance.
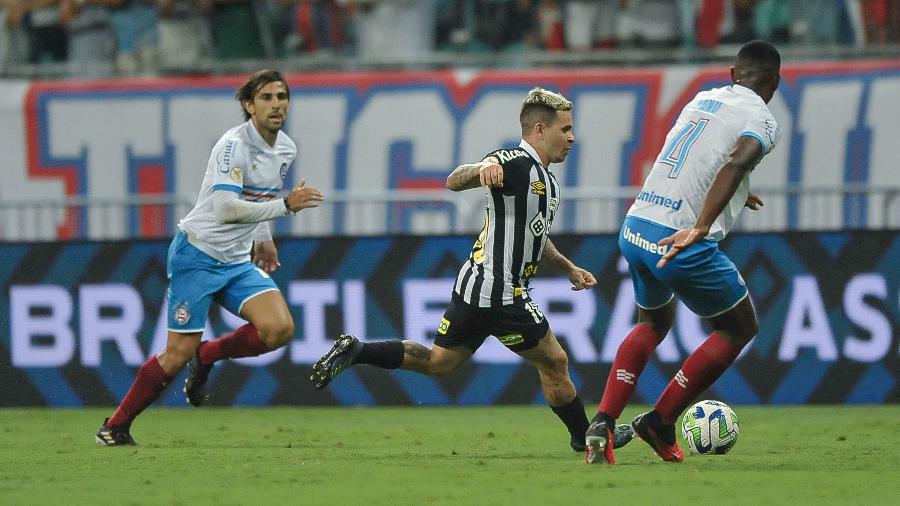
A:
(287, 206)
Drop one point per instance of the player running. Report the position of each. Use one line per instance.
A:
(689, 202)
(209, 258)
(490, 296)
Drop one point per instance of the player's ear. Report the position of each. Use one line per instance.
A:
(248, 106)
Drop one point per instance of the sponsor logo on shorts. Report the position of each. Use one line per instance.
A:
(511, 340)
(444, 326)
(645, 244)
(182, 313)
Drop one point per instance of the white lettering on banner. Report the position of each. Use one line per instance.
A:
(867, 318)
(573, 325)
(602, 140)
(52, 327)
(806, 306)
(106, 144)
(95, 328)
(353, 304)
(312, 297)
(825, 132)
(424, 302)
(420, 118)
(883, 121)
(193, 139)
(317, 123)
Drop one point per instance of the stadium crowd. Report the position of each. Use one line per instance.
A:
(129, 37)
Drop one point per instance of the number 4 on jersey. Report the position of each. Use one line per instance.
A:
(677, 150)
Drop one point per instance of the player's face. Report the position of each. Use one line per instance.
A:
(269, 106)
(559, 137)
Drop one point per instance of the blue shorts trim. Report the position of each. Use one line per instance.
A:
(702, 277)
(196, 279)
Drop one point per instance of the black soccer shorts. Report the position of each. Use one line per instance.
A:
(518, 326)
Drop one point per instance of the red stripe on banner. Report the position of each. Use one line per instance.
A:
(36, 170)
(152, 218)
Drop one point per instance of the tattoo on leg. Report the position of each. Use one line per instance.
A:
(416, 350)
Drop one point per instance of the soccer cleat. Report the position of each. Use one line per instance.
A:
(660, 437)
(341, 356)
(599, 440)
(195, 384)
(114, 435)
(622, 435)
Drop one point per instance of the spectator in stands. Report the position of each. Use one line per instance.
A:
(550, 25)
(184, 33)
(309, 26)
(399, 30)
(591, 23)
(92, 43)
(236, 30)
(649, 23)
(12, 36)
(45, 37)
(773, 20)
(134, 25)
(509, 25)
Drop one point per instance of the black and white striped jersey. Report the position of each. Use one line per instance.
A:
(517, 223)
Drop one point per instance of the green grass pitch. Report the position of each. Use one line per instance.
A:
(488, 455)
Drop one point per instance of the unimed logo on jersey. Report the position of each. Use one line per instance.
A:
(154, 137)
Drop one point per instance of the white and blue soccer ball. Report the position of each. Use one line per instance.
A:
(710, 428)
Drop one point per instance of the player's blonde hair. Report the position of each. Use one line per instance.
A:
(541, 106)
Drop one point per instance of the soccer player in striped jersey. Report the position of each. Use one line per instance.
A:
(490, 296)
(210, 256)
(690, 200)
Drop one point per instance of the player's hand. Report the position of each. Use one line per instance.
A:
(581, 279)
(265, 256)
(302, 197)
(753, 201)
(491, 174)
(679, 240)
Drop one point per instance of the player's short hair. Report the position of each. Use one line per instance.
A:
(759, 55)
(540, 106)
(261, 78)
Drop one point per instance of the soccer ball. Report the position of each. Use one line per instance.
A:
(710, 428)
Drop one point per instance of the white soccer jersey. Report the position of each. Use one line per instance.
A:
(703, 136)
(244, 163)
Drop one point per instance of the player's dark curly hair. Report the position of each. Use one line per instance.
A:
(261, 78)
(761, 55)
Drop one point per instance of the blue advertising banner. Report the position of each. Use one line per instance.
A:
(78, 318)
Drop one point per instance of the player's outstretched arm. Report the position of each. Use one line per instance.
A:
(472, 175)
(581, 279)
(742, 160)
(229, 208)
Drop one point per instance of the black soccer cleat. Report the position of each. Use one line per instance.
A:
(195, 384)
(660, 437)
(114, 435)
(341, 356)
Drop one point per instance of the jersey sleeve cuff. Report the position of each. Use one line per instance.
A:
(227, 187)
(750, 133)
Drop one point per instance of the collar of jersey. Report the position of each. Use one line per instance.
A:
(743, 90)
(530, 150)
(257, 139)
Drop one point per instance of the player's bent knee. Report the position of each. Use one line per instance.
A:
(276, 335)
